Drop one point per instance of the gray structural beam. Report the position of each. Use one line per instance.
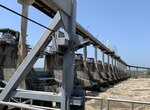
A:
(68, 61)
(85, 58)
(108, 59)
(30, 59)
(95, 58)
(65, 5)
(50, 7)
(103, 60)
(23, 49)
(24, 106)
(137, 67)
(23, 31)
(35, 95)
(103, 65)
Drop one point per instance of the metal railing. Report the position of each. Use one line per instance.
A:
(33, 107)
(132, 103)
(96, 98)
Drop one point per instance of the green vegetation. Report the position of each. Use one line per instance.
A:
(148, 73)
(134, 74)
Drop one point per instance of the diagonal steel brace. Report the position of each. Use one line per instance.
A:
(30, 59)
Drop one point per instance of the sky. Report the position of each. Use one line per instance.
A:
(123, 24)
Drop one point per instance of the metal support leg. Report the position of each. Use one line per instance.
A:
(85, 57)
(104, 69)
(101, 104)
(137, 72)
(107, 104)
(132, 106)
(95, 59)
(67, 79)
(29, 61)
(68, 63)
(23, 36)
(23, 33)
(129, 71)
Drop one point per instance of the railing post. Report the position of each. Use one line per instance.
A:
(107, 104)
(101, 104)
(132, 105)
(31, 102)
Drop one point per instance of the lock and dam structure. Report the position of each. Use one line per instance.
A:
(66, 74)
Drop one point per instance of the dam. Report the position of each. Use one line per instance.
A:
(66, 75)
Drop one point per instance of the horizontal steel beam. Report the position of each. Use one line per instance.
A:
(55, 5)
(36, 95)
(26, 106)
(138, 67)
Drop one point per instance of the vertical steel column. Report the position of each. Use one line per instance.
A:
(108, 64)
(95, 59)
(148, 72)
(113, 69)
(118, 69)
(137, 72)
(85, 57)
(23, 49)
(129, 71)
(132, 106)
(125, 68)
(121, 66)
(118, 64)
(68, 61)
(112, 64)
(23, 32)
(115, 65)
(107, 104)
(122, 74)
(103, 64)
(108, 59)
(103, 59)
(112, 61)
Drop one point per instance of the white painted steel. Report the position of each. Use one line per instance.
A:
(26, 106)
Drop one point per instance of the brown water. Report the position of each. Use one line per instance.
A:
(131, 89)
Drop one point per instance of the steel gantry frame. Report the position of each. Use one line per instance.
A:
(64, 16)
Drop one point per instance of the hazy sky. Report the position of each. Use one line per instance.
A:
(124, 23)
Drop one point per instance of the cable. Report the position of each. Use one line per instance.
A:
(8, 9)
